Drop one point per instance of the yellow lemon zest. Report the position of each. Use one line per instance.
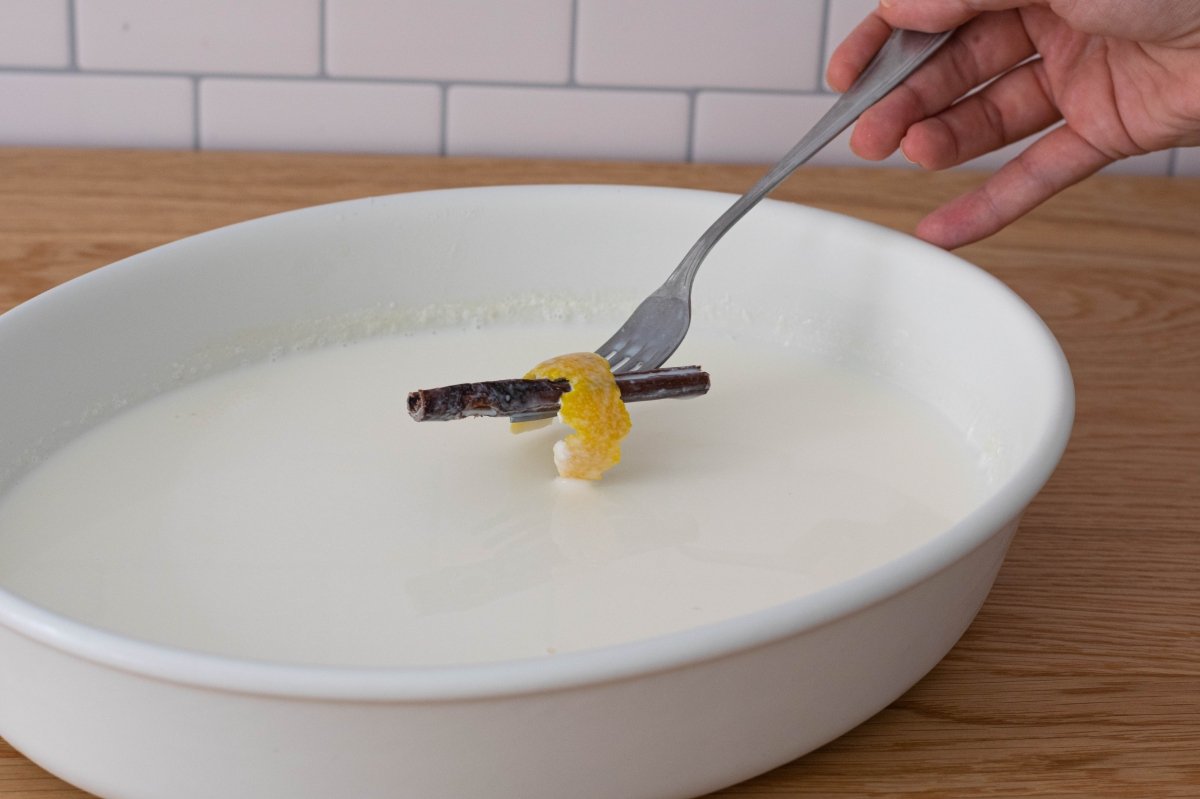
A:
(593, 407)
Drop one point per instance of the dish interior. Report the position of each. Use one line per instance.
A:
(290, 511)
(249, 484)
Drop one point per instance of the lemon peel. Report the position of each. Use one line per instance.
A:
(593, 408)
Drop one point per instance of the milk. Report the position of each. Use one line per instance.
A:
(291, 511)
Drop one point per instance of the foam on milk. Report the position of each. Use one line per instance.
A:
(291, 511)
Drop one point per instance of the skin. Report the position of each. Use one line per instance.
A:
(1121, 76)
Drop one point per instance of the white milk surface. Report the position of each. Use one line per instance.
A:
(291, 511)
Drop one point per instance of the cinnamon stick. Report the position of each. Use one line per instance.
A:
(520, 397)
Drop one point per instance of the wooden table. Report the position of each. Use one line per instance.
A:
(1081, 675)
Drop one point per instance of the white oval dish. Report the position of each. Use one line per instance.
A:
(677, 714)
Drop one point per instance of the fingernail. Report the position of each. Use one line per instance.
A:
(905, 154)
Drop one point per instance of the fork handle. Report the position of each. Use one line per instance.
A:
(900, 55)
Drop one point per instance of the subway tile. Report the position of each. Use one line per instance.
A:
(472, 40)
(95, 111)
(271, 37)
(751, 44)
(319, 115)
(567, 123)
(1187, 162)
(33, 33)
(743, 127)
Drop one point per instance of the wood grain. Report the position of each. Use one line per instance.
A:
(1081, 675)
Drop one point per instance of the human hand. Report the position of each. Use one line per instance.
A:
(1123, 77)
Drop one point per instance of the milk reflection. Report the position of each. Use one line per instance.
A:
(522, 548)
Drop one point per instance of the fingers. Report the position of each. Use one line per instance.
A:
(856, 50)
(1059, 159)
(942, 15)
(983, 49)
(1016, 105)
(1150, 22)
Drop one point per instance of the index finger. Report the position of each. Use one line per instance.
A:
(942, 15)
(855, 51)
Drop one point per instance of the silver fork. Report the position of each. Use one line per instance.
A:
(660, 322)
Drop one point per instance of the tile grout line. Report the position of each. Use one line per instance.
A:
(322, 31)
(432, 82)
(72, 36)
(823, 46)
(689, 145)
(573, 45)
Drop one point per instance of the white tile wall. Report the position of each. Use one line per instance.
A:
(521, 41)
(567, 123)
(252, 114)
(703, 80)
(72, 109)
(34, 33)
(271, 37)
(749, 44)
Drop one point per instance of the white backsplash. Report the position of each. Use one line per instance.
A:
(661, 80)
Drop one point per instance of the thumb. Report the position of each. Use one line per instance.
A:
(941, 15)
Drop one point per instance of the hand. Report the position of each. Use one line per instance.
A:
(1123, 77)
